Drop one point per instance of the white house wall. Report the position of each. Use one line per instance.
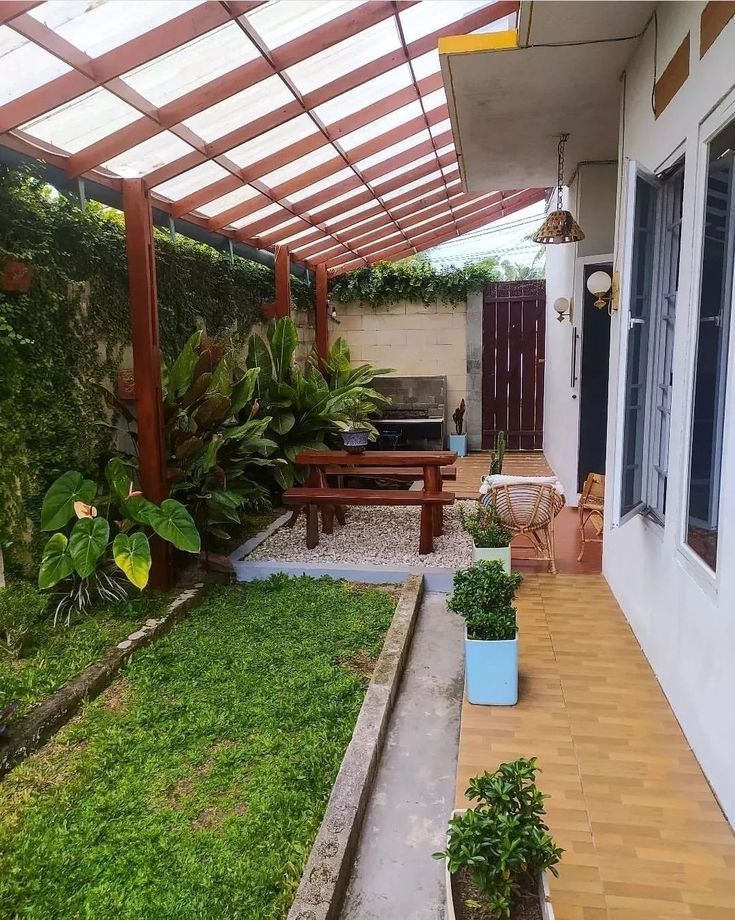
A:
(683, 616)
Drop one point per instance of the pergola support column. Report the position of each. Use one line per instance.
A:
(321, 311)
(147, 363)
(281, 306)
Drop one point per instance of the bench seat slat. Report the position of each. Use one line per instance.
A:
(408, 473)
(306, 496)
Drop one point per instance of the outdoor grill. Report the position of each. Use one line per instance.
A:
(415, 418)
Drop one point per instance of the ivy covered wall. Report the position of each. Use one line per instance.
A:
(60, 338)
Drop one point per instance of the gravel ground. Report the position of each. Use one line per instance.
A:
(373, 535)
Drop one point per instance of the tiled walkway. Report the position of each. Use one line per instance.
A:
(644, 836)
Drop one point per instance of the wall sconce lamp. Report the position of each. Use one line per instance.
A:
(332, 312)
(563, 308)
(600, 284)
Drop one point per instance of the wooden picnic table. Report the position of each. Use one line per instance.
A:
(335, 462)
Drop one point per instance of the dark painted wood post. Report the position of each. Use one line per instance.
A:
(281, 305)
(321, 311)
(147, 363)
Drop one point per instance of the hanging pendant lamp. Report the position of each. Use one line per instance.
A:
(559, 226)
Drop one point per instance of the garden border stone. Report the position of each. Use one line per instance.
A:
(29, 734)
(327, 873)
(254, 542)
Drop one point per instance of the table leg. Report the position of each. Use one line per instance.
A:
(426, 539)
(339, 513)
(312, 526)
(433, 484)
(328, 519)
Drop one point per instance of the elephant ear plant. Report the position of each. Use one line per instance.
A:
(100, 538)
(497, 851)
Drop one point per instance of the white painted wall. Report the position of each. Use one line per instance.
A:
(683, 616)
(591, 198)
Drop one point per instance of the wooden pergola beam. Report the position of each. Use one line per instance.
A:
(147, 363)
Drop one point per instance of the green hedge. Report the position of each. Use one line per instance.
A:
(55, 348)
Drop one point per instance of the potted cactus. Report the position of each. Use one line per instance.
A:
(483, 594)
(490, 538)
(499, 852)
(458, 441)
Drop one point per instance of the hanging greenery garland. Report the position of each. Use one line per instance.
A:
(415, 280)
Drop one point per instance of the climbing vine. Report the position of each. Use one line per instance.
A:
(72, 328)
(415, 280)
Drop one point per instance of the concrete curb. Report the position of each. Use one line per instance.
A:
(435, 579)
(327, 873)
(31, 732)
(254, 542)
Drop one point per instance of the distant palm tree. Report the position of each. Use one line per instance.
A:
(515, 271)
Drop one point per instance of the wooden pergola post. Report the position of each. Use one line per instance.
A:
(281, 305)
(321, 311)
(147, 363)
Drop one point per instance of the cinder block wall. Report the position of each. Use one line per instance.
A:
(410, 338)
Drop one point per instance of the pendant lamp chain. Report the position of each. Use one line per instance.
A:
(560, 170)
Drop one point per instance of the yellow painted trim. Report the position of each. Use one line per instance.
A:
(486, 41)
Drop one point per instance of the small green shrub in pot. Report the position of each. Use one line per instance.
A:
(21, 607)
(483, 526)
(498, 850)
(483, 595)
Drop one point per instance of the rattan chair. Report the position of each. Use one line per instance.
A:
(528, 508)
(591, 509)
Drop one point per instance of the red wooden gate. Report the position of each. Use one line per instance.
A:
(513, 341)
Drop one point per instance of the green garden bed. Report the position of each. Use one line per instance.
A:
(195, 786)
(52, 655)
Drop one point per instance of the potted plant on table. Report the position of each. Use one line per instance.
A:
(499, 851)
(490, 538)
(354, 425)
(483, 594)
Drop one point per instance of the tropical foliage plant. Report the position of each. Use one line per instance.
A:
(503, 841)
(306, 405)
(415, 279)
(483, 594)
(89, 551)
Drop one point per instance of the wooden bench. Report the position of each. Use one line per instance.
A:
(311, 498)
(401, 474)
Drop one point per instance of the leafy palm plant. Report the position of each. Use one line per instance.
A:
(101, 535)
(304, 406)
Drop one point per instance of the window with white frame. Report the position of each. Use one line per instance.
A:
(713, 332)
(654, 277)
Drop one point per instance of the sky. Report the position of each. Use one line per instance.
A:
(505, 238)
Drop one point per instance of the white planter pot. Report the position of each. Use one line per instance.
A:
(496, 552)
(491, 671)
(544, 893)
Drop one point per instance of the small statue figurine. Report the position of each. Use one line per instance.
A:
(458, 417)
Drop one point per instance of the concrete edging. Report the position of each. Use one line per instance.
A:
(435, 578)
(30, 733)
(327, 872)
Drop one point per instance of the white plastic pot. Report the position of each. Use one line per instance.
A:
(492, 552)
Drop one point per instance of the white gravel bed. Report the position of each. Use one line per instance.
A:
(372, 536)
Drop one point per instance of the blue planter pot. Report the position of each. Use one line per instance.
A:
(491, 671)
(458, 443)
(355, 441)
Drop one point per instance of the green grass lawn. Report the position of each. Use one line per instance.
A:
(52, 655)
(194, 788)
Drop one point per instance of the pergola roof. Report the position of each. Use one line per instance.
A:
(319, 125)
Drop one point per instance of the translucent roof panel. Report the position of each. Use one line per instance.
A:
(430, 15)
(225, 202)
(191, 181)
(97, 27)
(83, 121)
(283, 20)
(309, 176)
(150, 155)
(361, 96)
(242, 108)
(345, 56)
(275, 140)
(192, 65)
(24, 66)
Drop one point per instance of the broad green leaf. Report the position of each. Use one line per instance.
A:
(139, 509)
(58, 503)
(221, 381)
(243, 390)
(56, 563)
(119, 477)
(180, 375)
(174, 523)
(213, 409)
(259, 357)
(282, 423)
(284, 339)
(198, 388)
(132, 554)
(87, 543)
(284, 476)
(209, 457)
